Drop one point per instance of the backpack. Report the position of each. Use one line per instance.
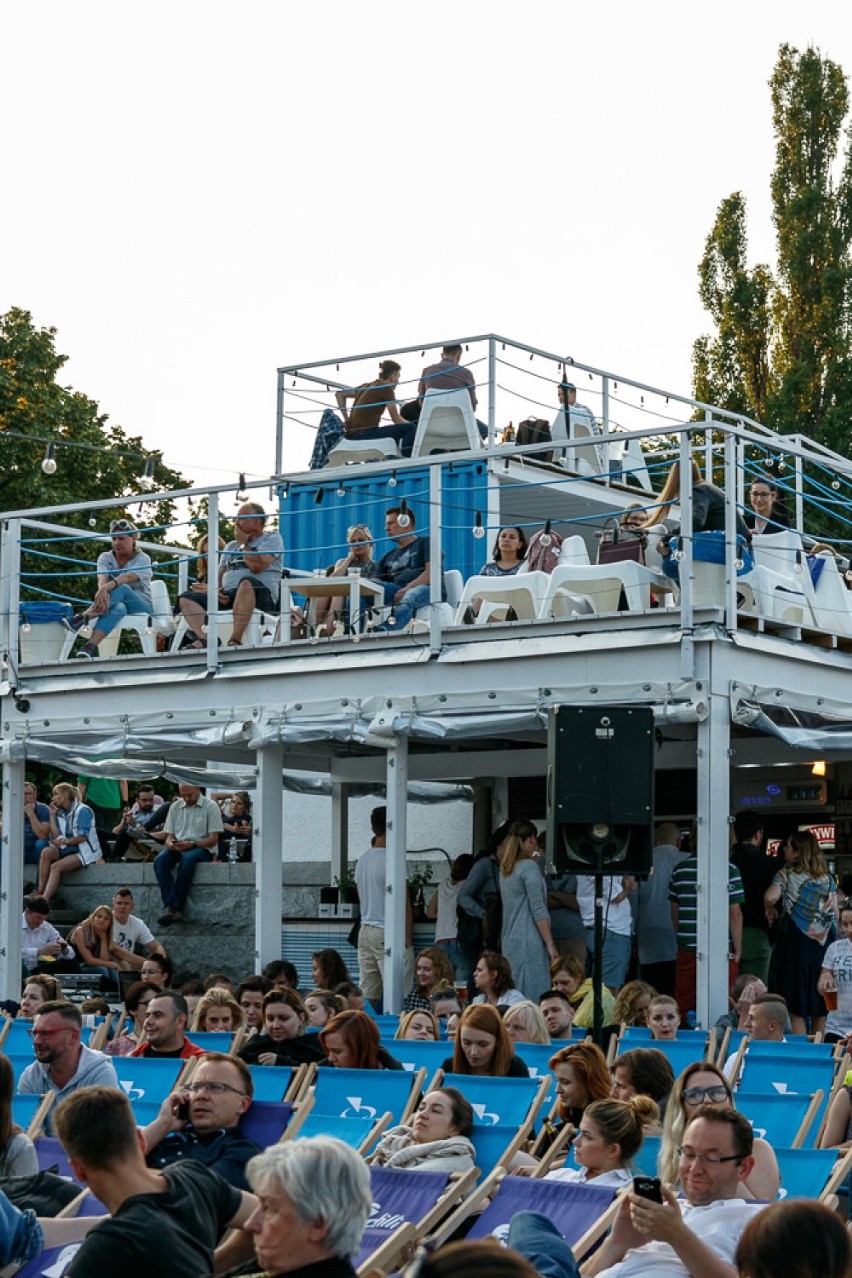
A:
(535, 430)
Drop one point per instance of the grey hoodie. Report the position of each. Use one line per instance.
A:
(93, 1070)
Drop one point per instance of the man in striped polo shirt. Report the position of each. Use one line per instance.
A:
(683, 896)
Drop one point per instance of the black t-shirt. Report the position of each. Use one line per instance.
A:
(757, 870)
(402, 564)
(289, 1051)
(517, 1068)
(170, 1235)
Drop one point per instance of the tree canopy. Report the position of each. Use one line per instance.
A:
(782, 347)
(95, 459)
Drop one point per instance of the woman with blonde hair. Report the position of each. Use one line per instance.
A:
(73, 839)
(94, 946)
(361, 545)
(217, 1011)
(483, 1046)
(806, 894)
(704, 1084)
(709, 506)
(418, 1027)
(609, 1138)
(525, 1023)
(526, 931)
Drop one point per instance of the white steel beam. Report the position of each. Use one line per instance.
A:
(266, 842)
(13, 880)
(712, 853)
(395, 911)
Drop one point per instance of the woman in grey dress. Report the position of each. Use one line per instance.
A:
(527, 938)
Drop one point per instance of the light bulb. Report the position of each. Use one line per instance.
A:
(403, 518)
(242, 491)
(392, 482)
(85, 631)
(341, 491)
(146, 480)
(739, 564)
(26, 628)
(205, 628)
(835, 483)
(679, 556)
(356, 638)
(93, 523)
(314, 639)
(48, 462)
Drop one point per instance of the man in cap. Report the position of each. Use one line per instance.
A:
(124, 587)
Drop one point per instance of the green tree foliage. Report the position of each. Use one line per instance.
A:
(782, 347)
(94, 460)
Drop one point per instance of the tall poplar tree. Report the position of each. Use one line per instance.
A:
(782, 346)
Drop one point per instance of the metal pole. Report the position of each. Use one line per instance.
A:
(213, 582)
(279, 424)
(339, 829)
(492, 390)
(731, 548)
(435, 556)
(686, 539)
(396, 884)
(714, 799)
(266, 841)
(12, 891)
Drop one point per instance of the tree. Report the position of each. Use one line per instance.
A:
(93, 460)
(782, 350)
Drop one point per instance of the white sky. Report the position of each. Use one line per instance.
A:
(198, 193)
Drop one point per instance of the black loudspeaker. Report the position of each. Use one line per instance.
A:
(601, 789)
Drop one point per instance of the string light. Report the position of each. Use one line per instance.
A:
(403, 518)
(478, 530)
(48, 462)
(835, 483)
(319, 496)
(545, 539)
(284, 491)
(392, 615)
(341, 491)
(242, 491)
(392, 482)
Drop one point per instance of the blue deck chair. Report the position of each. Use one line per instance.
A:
(679, 1051)
(645, 1161)
(212, 1040)
(812, 1173)
(779, 1073)
(366, 1092)
(779, 1119)
(264, 1121)
(495, 1146)
(418, 1199)
(25, 1109)
(52, 1157)
(146, 1080)
(144, 1111)
(506, 1102)
(270, 1081)
(640, 1035)
(16, 1040)
(388, 1024)
(359, 1131)
(581, 1213)
(793, 1046)
(416, 1055)
(19, 1063)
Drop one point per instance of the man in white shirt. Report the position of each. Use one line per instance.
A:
(765, 1023)
(371, 881)
(193, 827)
(128, 931)
(691, 1238)
(617, 924)
(40, 939)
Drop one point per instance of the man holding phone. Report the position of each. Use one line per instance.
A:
(201, 1120)
(693, 1237)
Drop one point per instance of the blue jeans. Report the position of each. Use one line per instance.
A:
(123, 602)
(616, 956)
(33, 858)
(403, 435)
(418, 597)
(174, 892)
(541, 1243)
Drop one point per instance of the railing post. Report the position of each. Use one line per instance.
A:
(213, 582)
(435, 557)
(11, 584)
(492, 389)
(800, 501)
(605, 426)
(686, 538)
(708, 446)
(731, 555)
(279, 424)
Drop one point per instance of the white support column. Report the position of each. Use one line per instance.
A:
(339, 829)
(397, 840)
(266, 841)
(713, 765)
(13, 880)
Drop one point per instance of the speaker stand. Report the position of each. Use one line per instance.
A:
(597, 957)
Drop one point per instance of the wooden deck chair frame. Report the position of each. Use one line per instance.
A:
(6, 1030)
(844, 1064)
(837, 1177)
(807, 1121)
(37, 1124)
(300, 1112)
(383, 1257)
(595, 1232)
(99, 1037)
(554, 1150)
(486, 1188)
(417, 1080)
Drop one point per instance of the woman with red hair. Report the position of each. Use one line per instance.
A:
(483, 1046)
(350, 1040)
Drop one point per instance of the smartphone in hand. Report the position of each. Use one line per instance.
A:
(648, 1187)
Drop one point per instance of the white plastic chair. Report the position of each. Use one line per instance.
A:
(627, 457)
(831, 602)
(601, 586)
(447, 424)
(779, 586)
(159, 621)
(362, 450)
(579, 455)
(258, 624)
(523, 593)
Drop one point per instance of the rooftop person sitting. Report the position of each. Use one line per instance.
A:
(359, 558)
(767, 514)
(124, 587)
(404, 572)
(249, 575)
(370, 401)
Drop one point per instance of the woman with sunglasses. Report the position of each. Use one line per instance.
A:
(359, 558)
(705, 1084)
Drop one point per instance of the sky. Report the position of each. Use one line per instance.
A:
(196, 194)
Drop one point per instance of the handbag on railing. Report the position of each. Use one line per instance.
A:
(618, 545)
